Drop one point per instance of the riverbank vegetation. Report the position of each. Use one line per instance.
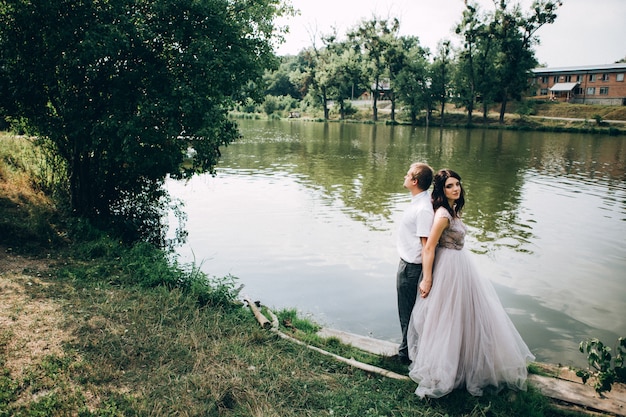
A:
(94, 327)
(535, 116)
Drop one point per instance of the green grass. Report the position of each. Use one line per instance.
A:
(155, 351)
(95, 328)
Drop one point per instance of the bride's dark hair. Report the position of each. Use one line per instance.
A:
(439, 197)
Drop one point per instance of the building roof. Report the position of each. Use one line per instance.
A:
(584, 68)
(563, 86)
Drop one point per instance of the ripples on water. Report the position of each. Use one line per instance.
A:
(305, 213)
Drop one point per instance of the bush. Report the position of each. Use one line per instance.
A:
(597, 118)
(145, 265)
(249, 106)
(526, 108)
(273, 104)
(606, 369)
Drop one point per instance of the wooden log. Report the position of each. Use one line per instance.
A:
(263, 321)
(352, 362)
(613, 402)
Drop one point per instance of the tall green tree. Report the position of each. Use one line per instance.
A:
(515, 34)
(412, 83)
(304, 75)
(474, 72)
(312, 79)
(281, 82)
(485, 68)
(324, 69)
(344, 71)
(441, 70)
(374, 38)
(123, 89)
(466, 75)
(397, 55)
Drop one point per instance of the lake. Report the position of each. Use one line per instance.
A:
(304, 215)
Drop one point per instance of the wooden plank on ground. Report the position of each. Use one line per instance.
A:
(614, 402)
(367, 344)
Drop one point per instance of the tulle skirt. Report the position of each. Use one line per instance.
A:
(461, 336)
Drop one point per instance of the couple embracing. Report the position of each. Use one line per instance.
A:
(455, 332)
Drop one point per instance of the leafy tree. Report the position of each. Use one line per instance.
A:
(334, 71)
(397, 56)
(412, 83)
(306, 78)
(281, 82)
(299, 71)
(323, 72)
(341, 70)
(373, 38)
(122, 89)
(349, 78)
(273, 104)
(440, 72)
(345, 75)
(466, 74)
(515, 36)
(496, 54)
(473, 79)
(270, 105)
(485, 68)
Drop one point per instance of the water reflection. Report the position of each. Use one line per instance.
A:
(304, 214)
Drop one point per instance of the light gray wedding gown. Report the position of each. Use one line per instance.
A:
(460, 335)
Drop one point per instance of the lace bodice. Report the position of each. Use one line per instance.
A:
(452, 237)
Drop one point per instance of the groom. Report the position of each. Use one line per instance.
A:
(413, 231)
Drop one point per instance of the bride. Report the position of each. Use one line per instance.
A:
(459, 334)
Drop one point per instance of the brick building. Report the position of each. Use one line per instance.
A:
(593, 84)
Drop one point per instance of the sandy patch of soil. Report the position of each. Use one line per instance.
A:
(30, 324)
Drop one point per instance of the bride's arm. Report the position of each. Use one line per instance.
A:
(428, 255)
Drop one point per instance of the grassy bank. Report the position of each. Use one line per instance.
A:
(79, 341)
(89, 327)
(530, 115)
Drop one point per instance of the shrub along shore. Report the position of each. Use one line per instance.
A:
(91, 327)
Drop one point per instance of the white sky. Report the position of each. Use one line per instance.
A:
(586, 32)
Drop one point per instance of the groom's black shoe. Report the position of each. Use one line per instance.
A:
(403, 359)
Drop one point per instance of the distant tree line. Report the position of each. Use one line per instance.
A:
(491, 66)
